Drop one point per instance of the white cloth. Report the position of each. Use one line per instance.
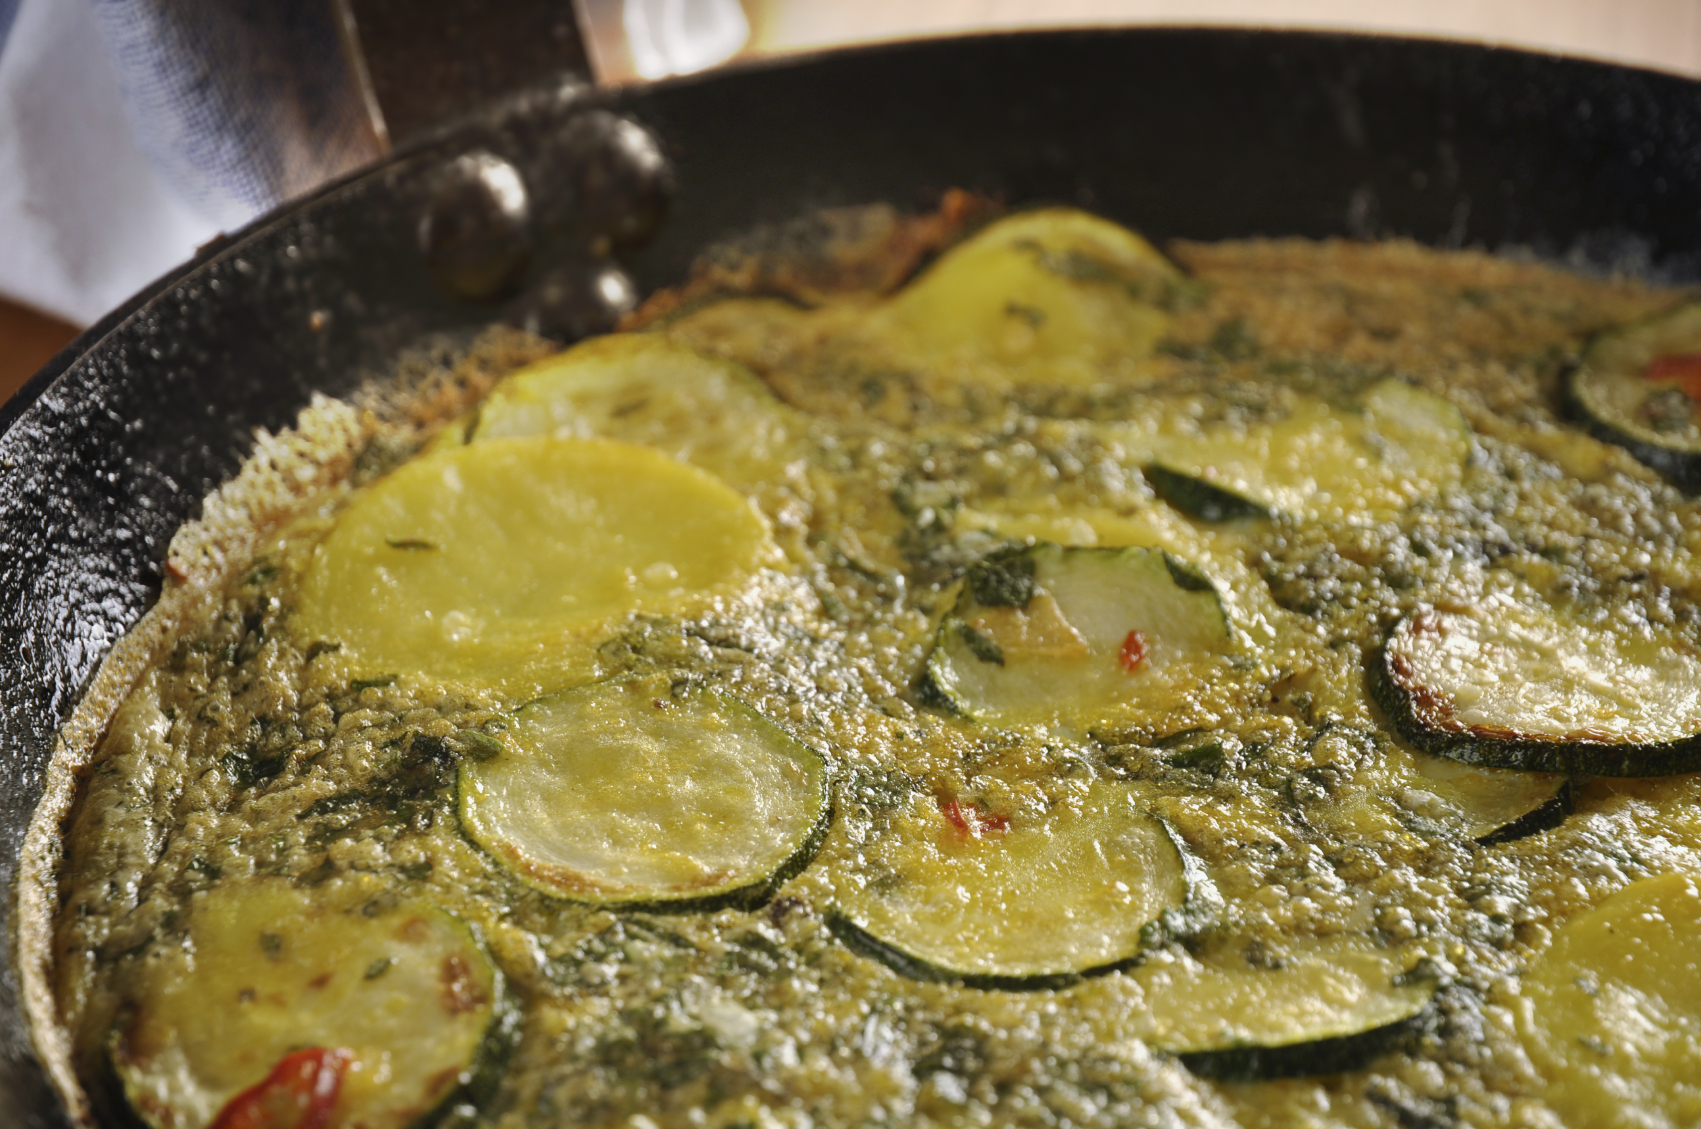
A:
(133, 130)
(85, 220)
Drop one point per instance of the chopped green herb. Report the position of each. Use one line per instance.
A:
(1179, 739)
(201, 866)
(983, 646)
(423, 747)
(477, 745)
(1233, 341)
(880, 790)
(1003, 580)
(1183, 294)
(1188, 576)
(1205, 756)
(332, 804)
(1033, 316)
(246, 767)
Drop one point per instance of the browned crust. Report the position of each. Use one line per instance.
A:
(1436, 710)
(1429, 706)
(281, 478)
(867, 250)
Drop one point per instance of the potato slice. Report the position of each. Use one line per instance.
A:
(1397, 446)
(1054, 295)
(645, 388)
(493, 559)
(1328, 1004)
(1612, 1013)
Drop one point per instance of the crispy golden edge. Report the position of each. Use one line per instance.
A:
(873, 249)
(284, 475)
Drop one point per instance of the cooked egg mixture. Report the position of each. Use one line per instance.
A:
(1076, 687)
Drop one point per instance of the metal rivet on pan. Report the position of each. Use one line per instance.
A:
(621, 178)
(476, 232)
(579, 300)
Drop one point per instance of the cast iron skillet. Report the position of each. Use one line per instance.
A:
(1204, 134)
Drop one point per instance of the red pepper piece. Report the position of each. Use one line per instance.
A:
(299, 1093)
(1685, 368)
(1133, 653)
(968, 818)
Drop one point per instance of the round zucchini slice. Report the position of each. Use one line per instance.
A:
(1396, 445)
(1202, 491)
(648, 389)
(1054, 294)
(1497, 805)
(1326, 1005)
(1046, 629)
(1025, 899)
(1613, 1015)
(1639, 386)
(384, 1010)
(1397, 787)
(1516, 684)
(485, 560)
(637, 792)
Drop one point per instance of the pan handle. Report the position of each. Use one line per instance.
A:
(421, 63)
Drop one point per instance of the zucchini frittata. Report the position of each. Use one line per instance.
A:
(1070, 686)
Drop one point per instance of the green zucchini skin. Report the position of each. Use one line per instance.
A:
(1616, 353)
(751, 895)
(1199, 498)
(484, 1074)
(1201, 907)
(1538, 819)
(1532, 754)
(1338, 1054)
(1677, 466)
(1204, 903)
(747, 898)
(1014, 577)
(859, 941)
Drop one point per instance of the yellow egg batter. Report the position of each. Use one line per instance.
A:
(1066, 569)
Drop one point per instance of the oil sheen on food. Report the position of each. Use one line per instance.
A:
(1251, 686)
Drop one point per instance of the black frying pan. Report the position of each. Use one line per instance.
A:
(1204, 134)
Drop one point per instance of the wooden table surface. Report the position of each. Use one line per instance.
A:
(27, 341)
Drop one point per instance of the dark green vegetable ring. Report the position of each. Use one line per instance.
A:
(1515, 686)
